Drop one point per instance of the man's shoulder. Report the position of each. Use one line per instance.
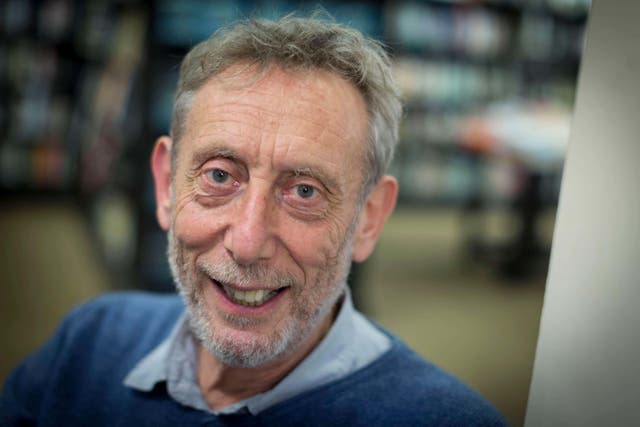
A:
(429, 391)
(132, 305)
(94, 348)
(403, 388)
(107, 335)
(115, 316)
(132, 299)
(124, 306)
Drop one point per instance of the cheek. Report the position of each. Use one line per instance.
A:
(195, 226)
(312, 247)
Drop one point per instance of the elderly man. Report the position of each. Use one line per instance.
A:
(271, 183)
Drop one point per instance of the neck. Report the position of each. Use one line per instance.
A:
(223, 385)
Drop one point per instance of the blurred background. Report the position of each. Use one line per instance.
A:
(86, 87)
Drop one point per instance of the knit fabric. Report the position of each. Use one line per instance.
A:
(76, 379)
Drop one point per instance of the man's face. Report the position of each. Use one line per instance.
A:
(264, 208)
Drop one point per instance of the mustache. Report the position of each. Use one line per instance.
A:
(229, 272)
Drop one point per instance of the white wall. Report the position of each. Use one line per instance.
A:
(587, 367)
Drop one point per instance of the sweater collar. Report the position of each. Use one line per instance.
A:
(351, 343)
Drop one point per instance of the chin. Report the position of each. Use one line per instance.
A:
(240, 348)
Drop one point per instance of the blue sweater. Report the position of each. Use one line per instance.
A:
(76, 379)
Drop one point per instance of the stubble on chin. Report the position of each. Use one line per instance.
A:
(304, 316)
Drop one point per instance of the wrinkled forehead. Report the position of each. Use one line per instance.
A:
(302, 96)
(290, 114)
(320, 87)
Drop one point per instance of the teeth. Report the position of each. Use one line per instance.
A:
(250, 298)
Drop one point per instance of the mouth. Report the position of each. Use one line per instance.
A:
(249, 298)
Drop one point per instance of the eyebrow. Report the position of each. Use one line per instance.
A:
(201, 156)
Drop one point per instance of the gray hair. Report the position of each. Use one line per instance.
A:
(302, 43)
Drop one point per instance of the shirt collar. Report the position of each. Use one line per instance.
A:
(351, 343)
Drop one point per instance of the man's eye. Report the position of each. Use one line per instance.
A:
(219, 176)
(305, 191)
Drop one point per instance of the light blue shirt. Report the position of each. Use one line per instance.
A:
(351, 343)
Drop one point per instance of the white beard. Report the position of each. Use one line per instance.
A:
(305, 316)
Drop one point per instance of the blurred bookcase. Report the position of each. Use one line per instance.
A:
(454, 59)
(488, 89)
(86, 87)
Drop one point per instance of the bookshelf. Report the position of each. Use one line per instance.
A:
(86, 88)
(456, 59)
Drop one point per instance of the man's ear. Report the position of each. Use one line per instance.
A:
(161, 169)
(374, 214)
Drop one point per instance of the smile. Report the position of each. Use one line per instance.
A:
(254, 298)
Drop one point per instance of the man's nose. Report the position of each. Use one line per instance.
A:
(250, 236)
